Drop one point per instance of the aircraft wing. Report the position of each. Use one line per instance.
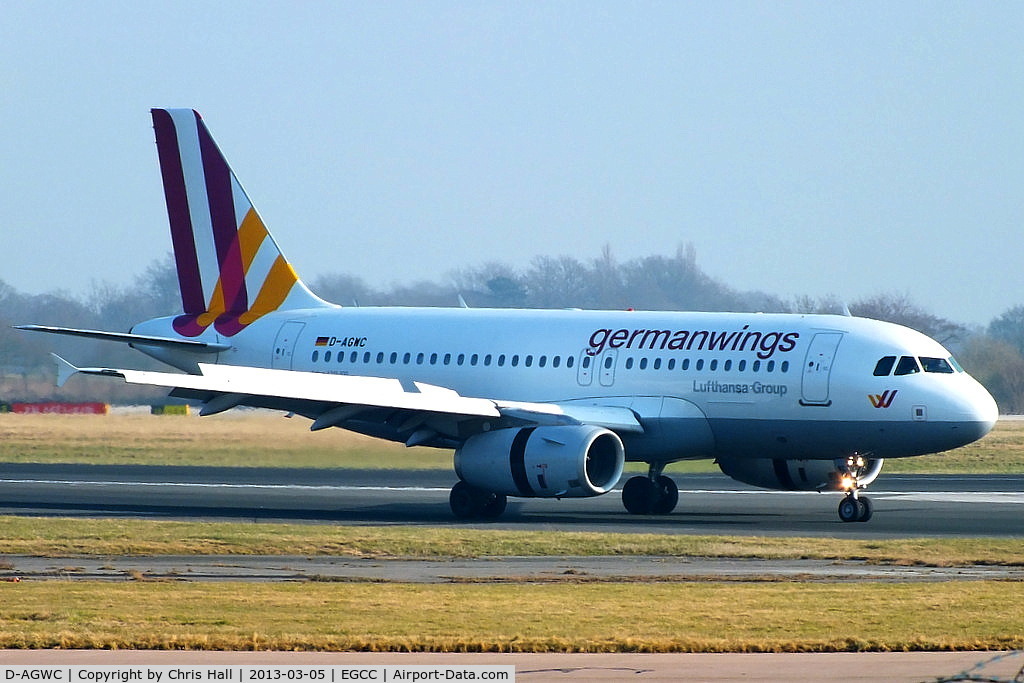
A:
(331, 400)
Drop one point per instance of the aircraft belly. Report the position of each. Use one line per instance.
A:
(826, 439)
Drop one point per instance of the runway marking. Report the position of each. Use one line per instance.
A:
(996, 497)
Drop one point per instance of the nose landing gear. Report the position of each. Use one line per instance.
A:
(853, 507)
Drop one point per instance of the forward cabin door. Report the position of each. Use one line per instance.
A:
(818, 368)
(284, 344)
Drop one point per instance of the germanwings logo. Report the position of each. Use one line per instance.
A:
(229, 268)
(882, 400)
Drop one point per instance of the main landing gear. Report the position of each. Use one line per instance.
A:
(853, 507)
(469, 502)
(654, 494)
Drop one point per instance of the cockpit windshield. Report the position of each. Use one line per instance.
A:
(909, 365)
(936, 365)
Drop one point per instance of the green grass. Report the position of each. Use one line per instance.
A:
(628, 617)
(62, 537)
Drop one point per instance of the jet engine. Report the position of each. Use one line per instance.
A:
(543, 462)
(796, 475)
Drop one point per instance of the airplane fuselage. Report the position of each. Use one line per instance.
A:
(702, 384)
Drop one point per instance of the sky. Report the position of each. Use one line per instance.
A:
(803, 148)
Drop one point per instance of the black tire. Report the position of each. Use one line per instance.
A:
(465, 501)
(668, 496)
(639, 496)
(866, 509)
(849, 509)
(494, 505)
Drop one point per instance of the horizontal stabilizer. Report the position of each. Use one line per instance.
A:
(133, 339)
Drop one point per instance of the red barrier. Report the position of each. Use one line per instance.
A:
(55, 408)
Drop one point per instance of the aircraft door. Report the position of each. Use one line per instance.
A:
(607, 364)
(818, 368)
(284, 344)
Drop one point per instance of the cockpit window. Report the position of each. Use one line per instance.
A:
(936, 365)
(884, 366)
(907, 366)
(952, 361)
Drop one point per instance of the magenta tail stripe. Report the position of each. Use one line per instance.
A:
(224, 222)
(185, 258)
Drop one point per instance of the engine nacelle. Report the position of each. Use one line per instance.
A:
(795, 475)
(543, 462)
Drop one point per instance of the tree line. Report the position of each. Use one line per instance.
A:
(994, 353)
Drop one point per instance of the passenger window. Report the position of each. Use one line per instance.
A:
(461, 359)
(366, 357)
(714, 365)
(394, 358)
(629, 363)
(327, 357)
(316, 356)
(785, 366)
(529, 361)
(930, 365)
(380, 357)
(907, 366)
(542, 361)
(608, 363)
(406, 358)
(570, 361)
(771, 366)
(556, 361)
(742, 366)
(657, 364)
(515, 360)
(643, 363)
(686, 364)
(473, 359)
(700, 363)
(884, 366)
(433, 359)
(447, 359)
(419, 359)
(728, 366)
(354, 357)
(487, 360)
(586, 362)
(671, 363)
(501, 361)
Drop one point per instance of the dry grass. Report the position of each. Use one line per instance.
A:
(265, 440)
(705, 617)
(69, 537)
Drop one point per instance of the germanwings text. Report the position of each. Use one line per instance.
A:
(766, 344)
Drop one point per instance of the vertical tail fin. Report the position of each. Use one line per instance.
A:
(230, 270)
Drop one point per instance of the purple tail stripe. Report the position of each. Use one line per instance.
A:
(225, 226)
(187, 262)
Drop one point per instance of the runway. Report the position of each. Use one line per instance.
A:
(918, 505)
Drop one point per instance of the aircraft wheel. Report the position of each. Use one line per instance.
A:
(668, 496)
(494, 505)
(465, 501)
(849, 509)
(639, 495)
(865, 509)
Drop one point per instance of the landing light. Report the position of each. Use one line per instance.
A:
(846, 483)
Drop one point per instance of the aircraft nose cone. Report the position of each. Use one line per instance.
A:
(981, 411)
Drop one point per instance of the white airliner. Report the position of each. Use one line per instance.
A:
(538, 403)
